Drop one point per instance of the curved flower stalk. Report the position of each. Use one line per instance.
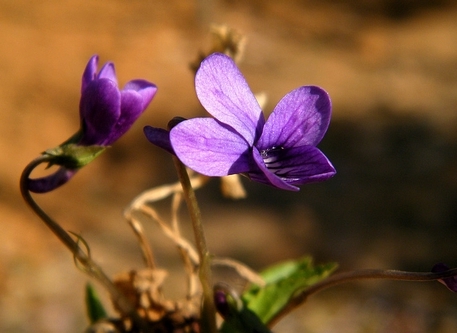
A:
(280, 152)
(106, 113)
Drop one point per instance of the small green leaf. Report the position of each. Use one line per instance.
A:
(95, 309)
(283, 282)
(73, 156)
(244, 321)
(241, 320)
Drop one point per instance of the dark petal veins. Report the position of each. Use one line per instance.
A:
(100, 109)
(260, 173)
(51, 182)
(294, 166)
(300, 165)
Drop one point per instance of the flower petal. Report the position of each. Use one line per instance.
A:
(146, 89)
(300, 118)
(294, 166)
(90, 72)
(51, 182)
(108, 72)
(160, 137)
(131, 109)
(210, 147)
(263, 175)
(225, 94)
(100, 109)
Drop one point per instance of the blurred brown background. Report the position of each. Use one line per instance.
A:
(391, 70)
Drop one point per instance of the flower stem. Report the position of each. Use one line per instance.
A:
(89, 266)
(208, 310)
(363, 274)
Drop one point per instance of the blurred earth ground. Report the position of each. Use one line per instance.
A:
(391, 70)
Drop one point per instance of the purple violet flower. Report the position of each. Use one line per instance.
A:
(450, 282)
(106, 113)
(280, 152)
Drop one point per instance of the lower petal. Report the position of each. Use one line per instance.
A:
(294, 166)
(265, 176)
(302, 165)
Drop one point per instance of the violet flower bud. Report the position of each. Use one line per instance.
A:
(450, 282)
(106, 113)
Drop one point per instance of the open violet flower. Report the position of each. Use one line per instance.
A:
(106, 113)
(280, 152)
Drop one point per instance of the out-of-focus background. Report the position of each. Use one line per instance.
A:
(391, 70)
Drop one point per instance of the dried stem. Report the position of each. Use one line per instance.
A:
(146, 250)
(242, 270)
(188, 253)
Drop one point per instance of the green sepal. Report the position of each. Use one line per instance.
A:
(95, 309)
(72, 156)
(284, 281)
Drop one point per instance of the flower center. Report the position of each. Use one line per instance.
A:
(276, 160)
(271, 157)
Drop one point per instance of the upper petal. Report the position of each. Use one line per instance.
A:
(209, 147)
(300, 118)
(145, 89)
(225, 94)
(90, 72)
(100, 109)
(108, 72)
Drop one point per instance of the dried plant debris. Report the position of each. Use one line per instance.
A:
(223, 40)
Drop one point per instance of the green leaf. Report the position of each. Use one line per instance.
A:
(244, 321)
(240, 320)
(73, 156)
(95, 309)
(283, 282)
